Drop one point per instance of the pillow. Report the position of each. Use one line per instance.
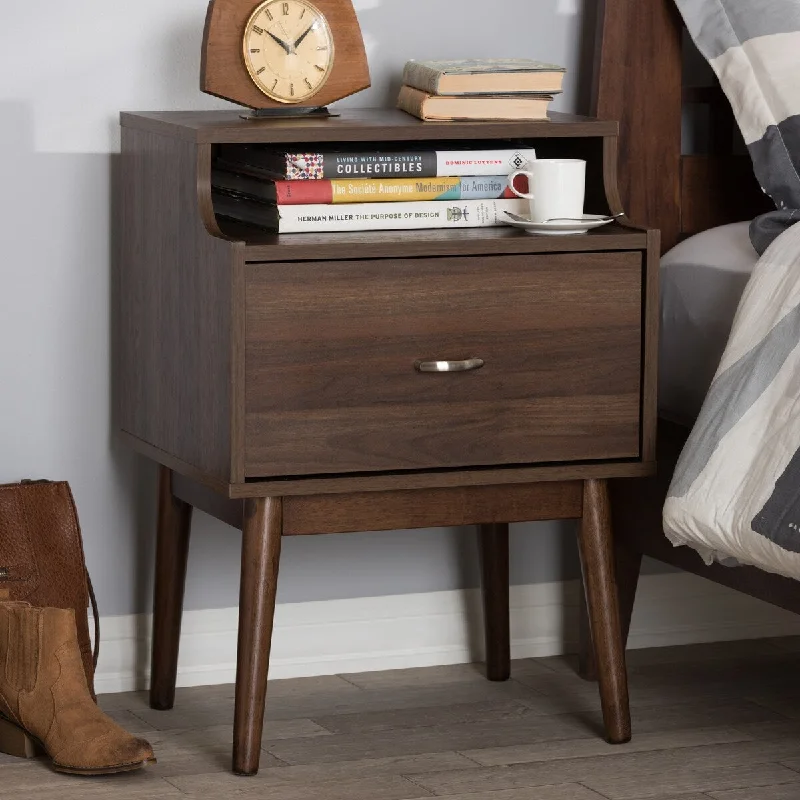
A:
(753, 46)
(702, 279)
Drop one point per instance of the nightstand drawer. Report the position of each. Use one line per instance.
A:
(332, 380)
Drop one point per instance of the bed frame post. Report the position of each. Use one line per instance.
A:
(637, 81)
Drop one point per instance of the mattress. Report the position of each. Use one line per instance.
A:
(702, 279)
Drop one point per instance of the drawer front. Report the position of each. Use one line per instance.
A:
(331, 347)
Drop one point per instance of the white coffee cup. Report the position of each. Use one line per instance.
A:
(556, 187)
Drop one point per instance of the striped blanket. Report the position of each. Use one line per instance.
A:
(736, 489)
(753, 47)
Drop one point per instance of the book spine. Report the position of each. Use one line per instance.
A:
(421, 77)
(408, 164)
(399, 216)
(392, 190)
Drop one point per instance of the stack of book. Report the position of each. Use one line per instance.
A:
(307, 192)
(514, 88)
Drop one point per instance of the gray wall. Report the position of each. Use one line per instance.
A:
(58, 137)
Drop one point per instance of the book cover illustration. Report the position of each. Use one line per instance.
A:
(308, 166)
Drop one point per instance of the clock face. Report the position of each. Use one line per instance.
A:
(288, 49)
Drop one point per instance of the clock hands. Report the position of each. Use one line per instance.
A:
(291, 48)
(285, 45)
(304, 34)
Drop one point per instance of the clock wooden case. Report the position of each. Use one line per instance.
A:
(224, 72)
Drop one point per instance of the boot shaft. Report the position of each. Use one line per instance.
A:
(20, 634)
(29, 638)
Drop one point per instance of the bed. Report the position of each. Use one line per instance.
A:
(640, 81)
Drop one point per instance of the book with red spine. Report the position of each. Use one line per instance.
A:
(365, 190)
(392, 190)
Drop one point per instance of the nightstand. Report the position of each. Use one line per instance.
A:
(278, 381)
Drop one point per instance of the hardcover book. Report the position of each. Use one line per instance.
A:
(374, 190)
(328, 165)
(317, 218)
(443, 107)
(395, 190)
(484, 76)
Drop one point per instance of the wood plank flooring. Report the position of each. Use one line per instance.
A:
(717, 722)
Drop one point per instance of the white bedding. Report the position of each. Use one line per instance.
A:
(735, 492)
(702, 280)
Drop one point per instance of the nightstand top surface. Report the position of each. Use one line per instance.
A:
(502, 240)
(354, 125)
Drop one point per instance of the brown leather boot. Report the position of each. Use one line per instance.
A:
(45, 700)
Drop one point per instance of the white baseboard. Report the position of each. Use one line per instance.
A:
(376, 633)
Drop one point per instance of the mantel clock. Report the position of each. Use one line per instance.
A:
(295, 55)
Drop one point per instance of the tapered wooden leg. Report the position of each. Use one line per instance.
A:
(628, 565)
(494, 575)
(172, 551)
(587, 668)
(261, 552)
(597, 562)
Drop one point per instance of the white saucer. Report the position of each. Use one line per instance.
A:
(565, 228)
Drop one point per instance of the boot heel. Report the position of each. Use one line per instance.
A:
(15, 742)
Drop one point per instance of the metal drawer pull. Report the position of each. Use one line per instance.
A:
(449, 366)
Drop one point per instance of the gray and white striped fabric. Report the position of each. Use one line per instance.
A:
(754, 48)
(736, 489)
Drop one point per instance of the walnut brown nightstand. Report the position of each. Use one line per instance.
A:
(280, 381)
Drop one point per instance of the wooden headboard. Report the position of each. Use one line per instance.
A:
(638, 80)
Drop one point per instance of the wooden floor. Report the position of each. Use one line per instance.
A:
(710, 721)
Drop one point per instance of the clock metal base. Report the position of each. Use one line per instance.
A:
(290, 112)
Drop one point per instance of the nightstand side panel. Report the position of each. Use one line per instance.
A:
(174, 349)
